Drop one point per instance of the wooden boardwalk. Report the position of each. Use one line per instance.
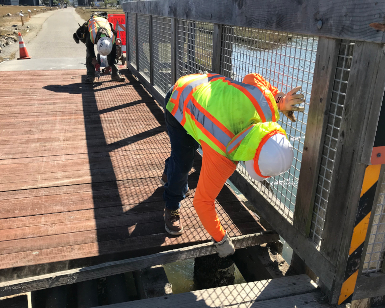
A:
(80, 168)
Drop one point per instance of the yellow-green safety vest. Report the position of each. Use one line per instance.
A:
(232, 117)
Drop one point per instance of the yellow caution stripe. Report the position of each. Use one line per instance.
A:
(368, 192)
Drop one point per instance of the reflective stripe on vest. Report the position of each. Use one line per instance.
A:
(212, 130)
(237, 141)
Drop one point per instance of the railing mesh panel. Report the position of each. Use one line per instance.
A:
(144, 45)
(162, 52)
(194, 47)
(286, 61)
(331, 137)
(131, 38)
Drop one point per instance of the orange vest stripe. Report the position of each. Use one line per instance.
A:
(261, 144)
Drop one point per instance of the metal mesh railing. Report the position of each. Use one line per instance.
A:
(132, 38)
(162, 53)
(286, 61)
(144, 45)
(194, 47)
(330, 144)
(374, 259)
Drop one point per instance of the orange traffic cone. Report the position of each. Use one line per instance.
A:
(23, 50)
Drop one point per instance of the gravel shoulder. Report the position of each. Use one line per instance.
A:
(30, 29)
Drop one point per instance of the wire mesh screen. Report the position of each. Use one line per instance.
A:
(286, 61)
(374, 259)
(162, 53)
(144, 45)
(332, 133)
(194, 47)
(132, 38)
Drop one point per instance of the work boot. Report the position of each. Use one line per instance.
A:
(172, 222)
(89, 79)
(163, 181)
(117, 77)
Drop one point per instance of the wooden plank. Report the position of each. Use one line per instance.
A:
(337, 19)
(369, 285)
(77, 221)
(281, 292)
(300, 244)
(324, 72)
(112, 268)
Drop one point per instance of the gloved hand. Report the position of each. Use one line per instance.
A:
(286, 103)
(225, 247)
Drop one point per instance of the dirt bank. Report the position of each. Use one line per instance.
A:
(10, 25)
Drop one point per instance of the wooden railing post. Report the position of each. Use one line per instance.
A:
(151, 46)
(128, 54)
(137, 42)
(174, 29)
(363, 98)
(324, 73)
(217, 48)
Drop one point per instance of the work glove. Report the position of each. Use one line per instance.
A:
(286, 103)
(225, 247)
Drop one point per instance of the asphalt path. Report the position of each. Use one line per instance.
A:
(53, 48)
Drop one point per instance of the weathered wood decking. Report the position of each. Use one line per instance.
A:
(80, 170)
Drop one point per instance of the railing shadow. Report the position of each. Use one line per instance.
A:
(127, 207)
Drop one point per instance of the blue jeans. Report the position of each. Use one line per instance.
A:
(180, 162)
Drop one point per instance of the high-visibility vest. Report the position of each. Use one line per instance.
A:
(234, 118)
(95, 23)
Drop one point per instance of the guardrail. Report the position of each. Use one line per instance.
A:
(324, 205)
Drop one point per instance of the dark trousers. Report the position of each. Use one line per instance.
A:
(180, 162)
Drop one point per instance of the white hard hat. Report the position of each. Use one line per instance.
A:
(104, 46)
(275, 157)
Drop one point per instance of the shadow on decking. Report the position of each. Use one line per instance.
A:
(126, 162)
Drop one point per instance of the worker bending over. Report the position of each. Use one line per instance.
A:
(97, 30)
(232, 121)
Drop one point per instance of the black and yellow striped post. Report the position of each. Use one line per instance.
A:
(361, 224)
